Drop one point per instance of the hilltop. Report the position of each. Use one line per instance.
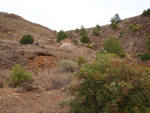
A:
(13, 27)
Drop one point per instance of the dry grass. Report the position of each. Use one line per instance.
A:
(68, 65)
(52, 79)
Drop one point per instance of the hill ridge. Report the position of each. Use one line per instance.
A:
(133, 41)
(14, 27)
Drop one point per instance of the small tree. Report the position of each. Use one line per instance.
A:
(27, 39)
(111, 86)
(83, 31)
(112, 45)
(96, 31)
(146, 12)
(18, 75)
(98, 26)
(85, 39)
(115, 19)
(77, 30)
(148, 41)
(61, 35)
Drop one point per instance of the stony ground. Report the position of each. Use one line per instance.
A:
(38, 101)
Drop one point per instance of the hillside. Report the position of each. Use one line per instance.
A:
(13, 27)
(133, 41)
(48, 89)
(50, 82)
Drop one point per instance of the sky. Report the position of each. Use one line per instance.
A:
(71, 14)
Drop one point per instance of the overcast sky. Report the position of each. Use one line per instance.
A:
(71, 14)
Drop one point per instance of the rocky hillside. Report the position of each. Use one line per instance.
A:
(47, 91)
(14, 27)
(133, 41)
(45, 54)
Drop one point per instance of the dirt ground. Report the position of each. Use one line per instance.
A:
(37, 101)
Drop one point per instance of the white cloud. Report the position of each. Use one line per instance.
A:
(69, 14)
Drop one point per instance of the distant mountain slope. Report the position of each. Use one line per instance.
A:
(133, 41)
(14, 27)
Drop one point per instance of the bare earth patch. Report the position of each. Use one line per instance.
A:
(41, 62)
(38, 101)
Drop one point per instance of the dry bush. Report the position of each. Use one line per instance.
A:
(68, 65)
(52, 79)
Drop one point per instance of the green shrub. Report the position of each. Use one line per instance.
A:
(140, 26)
(82, 30)
(96, 31)
(148, 41)
(125, 21)
(131, 26)
(81, 60)
(85, 39)
(112, 87)
(61, 35)
(18, 75)
(112, 45)
(68, 65)
(115, 19)
(135, 27)
(75, 41)
(114, 25)
(135, 23)
(89, 46)
(98, 26)
(122, 32)
(145, 56)
(27, 39)
(146, 12)
(77, 30)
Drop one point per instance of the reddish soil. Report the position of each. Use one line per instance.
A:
(42, 62)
